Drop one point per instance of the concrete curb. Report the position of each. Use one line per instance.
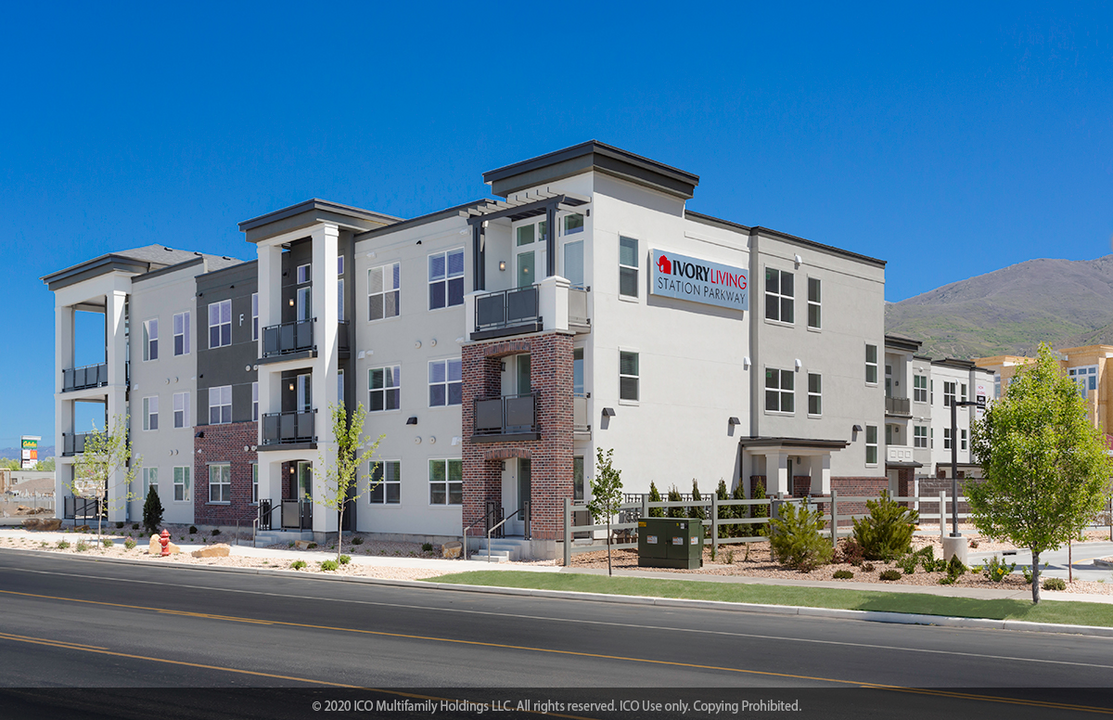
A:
(860, 615)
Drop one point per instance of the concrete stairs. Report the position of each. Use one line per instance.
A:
(502, 550)
(264, 538)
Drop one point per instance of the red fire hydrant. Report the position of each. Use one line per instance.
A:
(164, 538)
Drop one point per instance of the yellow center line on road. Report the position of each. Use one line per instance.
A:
(56, 643)
(552, 651)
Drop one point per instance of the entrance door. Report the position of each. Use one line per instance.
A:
(305, 480)
(517, 525)
(522, 385)
(529, 253)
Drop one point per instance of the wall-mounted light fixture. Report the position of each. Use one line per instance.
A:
(857, 428)
(734, 421)
(798, 260)
(799, 364)
(502, 266)
(199, 434)
(291, 387)
(608, 412)
(291, 302)
(412, 420)
(746, 363)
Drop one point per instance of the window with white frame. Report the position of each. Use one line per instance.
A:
(181, 334)
(220, 483)
(629, 376)
(340, 288)
(220, 405)
(946, 438)
(871, 364)
(255, 483)
(780, 293)
(920, 388)
(996, 386)
(181, 484)
(220, 324)
(815, 394)
(780, 390)
(385, 388)
(628, 266)
(948, 393)
(181, 410)
(871, 444)
(573, 223)
(961, 439)
(150, 481)
(304, 274)
(254, 316)
(383, 290)
(578, 477)
(446, 482)
(446, 279)
(815, 304)
(919, 436)
(150, 413)
(1086, 378)
(150, 339)
(386, 482)
(304, 303)
(446, 384)
(255, 401)
(962, 391)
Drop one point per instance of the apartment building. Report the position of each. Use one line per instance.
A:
(498, 344)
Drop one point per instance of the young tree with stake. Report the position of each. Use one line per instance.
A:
(606, 494)
(105, 463)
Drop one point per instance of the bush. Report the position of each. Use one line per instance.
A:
(851, 553)
(63, 545)
(655, 496)
(728, 557)
(311, 546)
(887, 533)
(119, 524)
(298, 564)
(843, 575)
(908, 563)
(697, 511)
(867, 567)
(216, 531)
(135, 526)
(795, 539)
(345, 559)
(106, 543)
(130, 544)
(192, 529)
(890, 575)
(996, 570)
(724, 512)
(358, 540)
(329, 565)
(427, 547)
(152, 511)
(675, 496)
(1054, 584)
(955, 570)
(757, 492)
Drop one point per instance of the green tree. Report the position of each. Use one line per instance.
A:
(739, 512)
(106, 463)
(697, 510)
(675, 496)
(152, 510)
(606, 494)
(724, 510)
(1045, 467)
(341, 477)
(655, 496)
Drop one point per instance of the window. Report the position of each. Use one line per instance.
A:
(446, 482)
(383, 285)
(304, 274)
(255, 401)
(779, 294)
(920, 388)
(150, 413)
(628, 376)
(932, 399)
(220, 405)
(339, 264)
(996, 386)
(181, 334)
(181, 410)
(815, 307)
(340, 299)
(962, 389)
(871, 444)
(150, 339)
(386, 483)
(919, 436)
(946, 438)
(578, 478)
(871, 364)
(931, 437)
(181, 484)
(304, 397)
(948, 393)
(150, 480)
(1085, 377)
(961, 439)
(254, 316)
(220, 324)
(385, 384)
(220, 483)
(305, 303)
(779, 390)
(627, 267)
(446, 386)
(578, 371)
(446, 279)
(573, 224)
(255, 483)
(340, 387)
(815, 394)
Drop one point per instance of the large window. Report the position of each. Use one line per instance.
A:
(815, 304)
(780, 390)
(181, 484)
(920, 388)
(446, 279)
(815, 394)
(255, 483)
(948, 393)
(150, 339)
(871, 364)
(919, 436)
(181, 334)
(386, 482)
(150, 481)
(181, 410)
(446, 386)
(628, 376)
(340, 314)
(573, 224)
(961, 439)
(578, 477)
(446, 482)
(871, 444)
(255, 401)
(220, 483)
(305, 274)
(220, 323)
(383, 289)
(220, 405)
(150, 413)
(627, 267)
(254, 316)
(946, 438)
(385, 388)
(779, 294)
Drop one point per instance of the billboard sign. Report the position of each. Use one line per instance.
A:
(702, 281)
(29, 451)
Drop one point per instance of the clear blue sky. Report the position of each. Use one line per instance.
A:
(950, 142)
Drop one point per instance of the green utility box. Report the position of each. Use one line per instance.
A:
(670, 543)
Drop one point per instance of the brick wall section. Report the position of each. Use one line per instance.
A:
(550, 456)
(932, 486)
(224, 443)
(857, 487)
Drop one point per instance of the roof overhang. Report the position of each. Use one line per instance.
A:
(310, 213)
(99, 266)
(524, 206)
(794, 445)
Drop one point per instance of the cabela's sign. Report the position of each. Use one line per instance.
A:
(686, 278)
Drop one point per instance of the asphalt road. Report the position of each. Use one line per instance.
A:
(175, 642)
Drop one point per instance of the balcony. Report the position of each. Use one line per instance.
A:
(898, 407)
(288, 339)
(581, 421)
(506, 418)
(516, 309)
(73, 444)
(899, 454)
(343, 340)
(287, 429)
(552, 304)
(81, 378)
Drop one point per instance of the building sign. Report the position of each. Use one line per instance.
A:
(29, 451)
(687, 278)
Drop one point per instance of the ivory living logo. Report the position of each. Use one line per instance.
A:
(702, 281)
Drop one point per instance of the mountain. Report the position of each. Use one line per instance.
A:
(1010, 311)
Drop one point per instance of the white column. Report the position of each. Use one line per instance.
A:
(269, 288)
(118, 412)
(63, 409)
(777, 474)
(553, 302)
(325, 367)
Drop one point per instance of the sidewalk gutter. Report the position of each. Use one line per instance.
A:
(860, 615)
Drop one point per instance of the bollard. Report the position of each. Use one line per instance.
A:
(164, 540)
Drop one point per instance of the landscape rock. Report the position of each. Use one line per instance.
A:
(452, 549)
(50, 524)
(219, 550)
(302, 544)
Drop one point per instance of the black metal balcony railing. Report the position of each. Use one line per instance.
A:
(73, 444)
(580, 418)
(287, 428)
(289, 337)
(507, 308)
(898, 406)
(297, 514)
(89, 376)
(342, 337)
(506, 415)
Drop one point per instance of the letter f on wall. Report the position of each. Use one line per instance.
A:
(664, 266)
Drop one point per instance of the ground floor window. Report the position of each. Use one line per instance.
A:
(919, 436)
(255, 480)
(578, 478)
(446, 482)
(181, 484)
(871, 444)
(220, 483)
(386, 482)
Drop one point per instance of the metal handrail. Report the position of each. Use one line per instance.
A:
(496, 527)
(491, 512)
(255, 522)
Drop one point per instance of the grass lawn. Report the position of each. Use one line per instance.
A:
(1070, 613)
